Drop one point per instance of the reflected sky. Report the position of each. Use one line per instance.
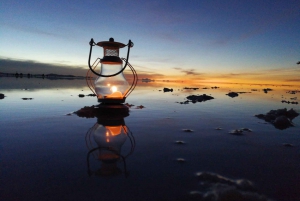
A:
(44, 152)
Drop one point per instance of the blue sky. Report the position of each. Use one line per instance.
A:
(194, 39)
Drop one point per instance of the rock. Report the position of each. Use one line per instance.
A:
(260, 116)
(200, 98)
(246, 129)
(168, 90)
(140, 107)
(267, 90)
(281, 118)
(2, 96)
(278, 112)
(236, 132)
(180, 160)
(232, 94)
(128, 105)
(179, 142)
(81, 95)
(288, 145)
(187, 130)
(291, 114)
(213, 178)
(282, 122)
(239, 131)
(214, 187)
(193, 88)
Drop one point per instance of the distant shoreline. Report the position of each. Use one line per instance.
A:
(43, 76)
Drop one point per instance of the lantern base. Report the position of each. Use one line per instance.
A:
(112, 100)
(112, 111)
(104, 111)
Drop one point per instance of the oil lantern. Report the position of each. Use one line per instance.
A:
(110, 86)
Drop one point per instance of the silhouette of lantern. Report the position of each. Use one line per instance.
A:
(110, 86)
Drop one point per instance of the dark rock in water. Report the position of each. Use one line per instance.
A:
(236, 132)
(291, 114)
(281, 118)
(282, 122)
(27, 98)
(288, 102)
(194, 88)
(187, 130)
(140, 107)
(267, 89)
(288, 145)
(91, 94)
(103, 112)
(214, 187)
(179, 142)
(201, 98)
(213, 178)
(246, 129)
(260, 116)
(168, 90)
(128, 105)
(180, 160)
(81, 95)
(2, 96)
(239, 131)
(232, 94)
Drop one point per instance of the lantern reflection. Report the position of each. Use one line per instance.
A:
(105, 141)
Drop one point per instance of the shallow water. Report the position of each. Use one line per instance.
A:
(44, 146)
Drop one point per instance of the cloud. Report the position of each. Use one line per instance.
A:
(29, 29)
(33, 67)
(188, 71)
(293, 80)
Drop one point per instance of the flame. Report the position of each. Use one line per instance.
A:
(114, 89)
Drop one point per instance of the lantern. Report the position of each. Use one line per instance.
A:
(110, 86)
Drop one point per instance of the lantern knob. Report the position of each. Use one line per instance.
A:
(111, 40)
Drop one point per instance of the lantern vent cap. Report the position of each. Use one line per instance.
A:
(111, 43)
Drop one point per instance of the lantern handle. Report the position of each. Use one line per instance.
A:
(92, 43)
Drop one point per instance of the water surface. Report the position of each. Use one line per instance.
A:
(44, 146)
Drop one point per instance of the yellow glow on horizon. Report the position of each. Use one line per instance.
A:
(262, 77)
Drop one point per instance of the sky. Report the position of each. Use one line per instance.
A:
(240, 41)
